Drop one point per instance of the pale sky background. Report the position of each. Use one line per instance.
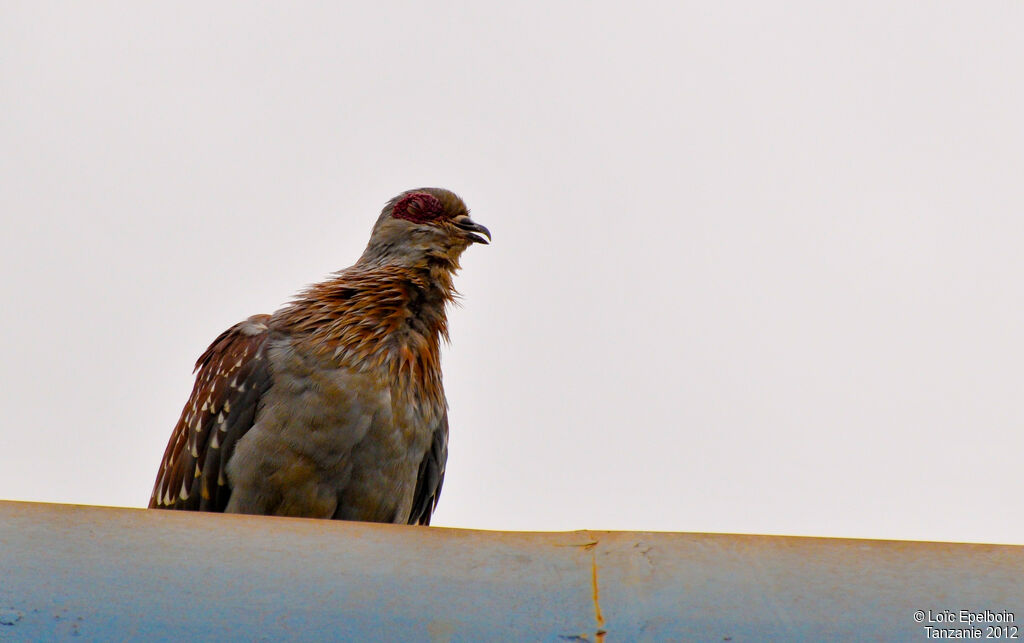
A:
(756, 267)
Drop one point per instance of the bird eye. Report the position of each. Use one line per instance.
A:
(418, 207)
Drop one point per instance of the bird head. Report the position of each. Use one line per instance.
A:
(423, 227)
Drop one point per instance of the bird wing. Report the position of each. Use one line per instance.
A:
(431, 475)
(231, 377)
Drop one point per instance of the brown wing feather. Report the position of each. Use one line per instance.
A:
(430, 476)
(231, 376)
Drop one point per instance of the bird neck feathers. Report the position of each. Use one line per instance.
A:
(377, 317)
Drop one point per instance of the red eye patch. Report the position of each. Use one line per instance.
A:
(418, 207)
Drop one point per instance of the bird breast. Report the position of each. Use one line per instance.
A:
(333, 441)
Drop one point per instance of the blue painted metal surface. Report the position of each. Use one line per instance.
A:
(91, 573)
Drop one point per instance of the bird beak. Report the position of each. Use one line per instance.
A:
(472, 227)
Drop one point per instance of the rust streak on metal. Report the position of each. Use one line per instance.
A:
(600, 632)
